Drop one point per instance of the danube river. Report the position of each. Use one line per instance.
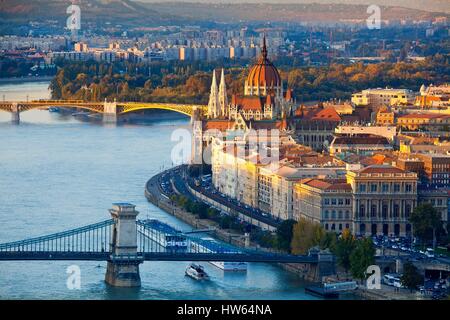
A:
(58, 173)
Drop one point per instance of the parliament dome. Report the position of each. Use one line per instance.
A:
(263, 76)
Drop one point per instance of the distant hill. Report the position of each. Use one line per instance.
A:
(425, 5)
(294, 12)
(134, 13)
(91, 10)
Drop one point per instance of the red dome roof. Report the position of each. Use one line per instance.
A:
(264, 73)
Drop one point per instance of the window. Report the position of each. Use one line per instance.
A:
(333, 214)
(347, 201)
(373, 211)
(385, 187)
(333, 201)
(373, 187)
(439, 202)
(326, 214)
(396, 187)
(384, 211)
(340, 201)
(340, 214)
(408, 187)
(362, 210)
(362, 188)
(347, 214)
(396, 210)
(407, 210)
(327, 201)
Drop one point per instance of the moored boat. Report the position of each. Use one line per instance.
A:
(163, 234)
(211, 245)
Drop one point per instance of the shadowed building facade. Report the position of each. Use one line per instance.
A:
(383, 199)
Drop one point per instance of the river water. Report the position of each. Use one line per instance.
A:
(58, 173)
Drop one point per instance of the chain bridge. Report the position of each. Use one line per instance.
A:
(125, 242)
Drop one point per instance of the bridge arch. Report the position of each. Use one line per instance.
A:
(179, 108)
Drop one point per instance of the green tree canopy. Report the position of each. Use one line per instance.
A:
(344, 247)
(361, 257)
(411, 278)
(284, 234)
(426, 220)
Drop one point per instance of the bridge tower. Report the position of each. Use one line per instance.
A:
(15, 113)
(110, 112)
(123, 265)
(197, 137)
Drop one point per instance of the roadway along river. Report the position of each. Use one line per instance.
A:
(57, 173)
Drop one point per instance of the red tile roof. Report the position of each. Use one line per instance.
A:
(327, 114)
(221, 125)
(254, 103)
(328, 184)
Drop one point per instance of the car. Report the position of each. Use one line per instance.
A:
(394, 246)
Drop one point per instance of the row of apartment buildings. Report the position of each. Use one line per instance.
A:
(427, 97)
(372, 199)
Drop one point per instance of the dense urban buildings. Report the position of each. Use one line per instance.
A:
(368, 178)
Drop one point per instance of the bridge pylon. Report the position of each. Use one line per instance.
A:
(123, 266)
(15, 113)
(110, 112)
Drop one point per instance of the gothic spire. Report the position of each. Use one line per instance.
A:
(264, 48)
(223, 100)
(213, 104)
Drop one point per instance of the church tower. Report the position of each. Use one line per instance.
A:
(213, 104)
(223, 100)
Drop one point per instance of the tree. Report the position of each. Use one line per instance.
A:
(284, 234)
(426, 220)
(344, 248)
(361, 257)
(329, 241)
(307, 234)
(411, 278)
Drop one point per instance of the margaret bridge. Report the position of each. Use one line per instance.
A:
(125, 242)
(109, 110)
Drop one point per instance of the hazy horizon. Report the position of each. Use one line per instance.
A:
(427, 5)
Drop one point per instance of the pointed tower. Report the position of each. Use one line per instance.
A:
(223, 100)
(213, 104)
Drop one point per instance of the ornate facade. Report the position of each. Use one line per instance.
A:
(264, 97)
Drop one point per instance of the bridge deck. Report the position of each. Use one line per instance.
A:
(99, 107)
(156, 256)
(94, 243)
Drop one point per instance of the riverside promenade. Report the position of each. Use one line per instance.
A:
(158, 191)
